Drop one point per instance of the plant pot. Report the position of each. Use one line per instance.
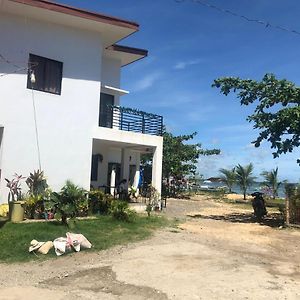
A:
(16, 209)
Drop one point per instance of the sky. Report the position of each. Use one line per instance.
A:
(189, 46)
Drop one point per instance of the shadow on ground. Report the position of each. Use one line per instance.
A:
(271, 220)
(2, 222)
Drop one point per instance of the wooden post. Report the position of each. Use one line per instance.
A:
(287, 210)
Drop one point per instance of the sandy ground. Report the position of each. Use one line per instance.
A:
(218, 252)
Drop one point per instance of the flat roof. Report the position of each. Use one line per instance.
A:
(81, 13)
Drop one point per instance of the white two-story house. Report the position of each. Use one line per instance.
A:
(60, 107)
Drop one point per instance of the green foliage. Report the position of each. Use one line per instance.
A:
(37, 195)
(180, 156)
(99, 202)
(15, 190)
(37, 183)
(277, 114)
(120, 211)
(228, 177)
(153, 200)
(244, 177)
(32, 203)
(70, 202)
(271, 181)
(102, 232)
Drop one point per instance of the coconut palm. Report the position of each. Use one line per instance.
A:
(228, 177)
(271, 181)
(244, 177)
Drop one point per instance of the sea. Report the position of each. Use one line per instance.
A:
(257, 186)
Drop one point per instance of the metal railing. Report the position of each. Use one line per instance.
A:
(129, 119)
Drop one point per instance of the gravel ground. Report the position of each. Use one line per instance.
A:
(217, 252)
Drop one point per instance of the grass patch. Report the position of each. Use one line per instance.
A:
(103, 232)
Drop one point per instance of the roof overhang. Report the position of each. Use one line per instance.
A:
(113, 90)
(112, 29)
(125, 54)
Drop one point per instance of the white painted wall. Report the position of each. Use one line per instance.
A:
(111, 75)
(64, 122)
(67, 124)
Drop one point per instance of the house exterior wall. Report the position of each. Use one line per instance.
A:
(64, 122)
(67, 124)
(111, 75)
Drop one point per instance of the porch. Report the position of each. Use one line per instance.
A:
(116, 156)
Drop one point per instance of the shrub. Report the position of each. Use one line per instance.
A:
(120, 211)
(37, 183)
(99, 202)
(153, 201)
(33, 205)
(70, 202)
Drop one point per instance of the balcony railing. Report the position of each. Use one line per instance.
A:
(129, 119)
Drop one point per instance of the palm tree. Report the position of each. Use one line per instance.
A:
(228, 177)
(244, 177)
(271, 181)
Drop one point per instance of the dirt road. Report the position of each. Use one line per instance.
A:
(218, 252)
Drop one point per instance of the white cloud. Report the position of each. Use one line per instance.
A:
(146, 82)
(183, 64)
(261, 158)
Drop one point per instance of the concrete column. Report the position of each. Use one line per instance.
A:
(125, 165)
(157, 168)
(137, 172)
(113, 181)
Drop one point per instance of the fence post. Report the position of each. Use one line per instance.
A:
(287, 210)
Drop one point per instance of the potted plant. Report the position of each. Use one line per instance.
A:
(16, 206)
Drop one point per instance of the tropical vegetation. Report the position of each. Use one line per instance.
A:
(271, 181)
(276, 115)
(244, 177)
(228, 177)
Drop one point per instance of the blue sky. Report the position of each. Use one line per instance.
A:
(191, 45)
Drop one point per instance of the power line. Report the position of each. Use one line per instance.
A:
(266, 24)
(8, 61)
(19, 68)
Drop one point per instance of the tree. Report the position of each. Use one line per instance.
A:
(228, 177)
(244, 177)
(277, 114)
(180, 157)
(271, 181)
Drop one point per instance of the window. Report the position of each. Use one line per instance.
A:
(47, 73)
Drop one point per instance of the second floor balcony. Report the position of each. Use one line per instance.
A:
(129, 119)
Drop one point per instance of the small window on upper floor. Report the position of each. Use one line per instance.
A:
(44, 74)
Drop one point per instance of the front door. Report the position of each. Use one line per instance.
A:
(106, 112)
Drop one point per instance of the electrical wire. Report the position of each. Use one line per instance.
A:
(36, 128)
(266, 24)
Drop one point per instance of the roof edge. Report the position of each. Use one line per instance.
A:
(77, 12)
(127, 49)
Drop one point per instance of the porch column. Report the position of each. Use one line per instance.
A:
(125, 165)
(113, 181)
(137, 172)
(157, 167)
